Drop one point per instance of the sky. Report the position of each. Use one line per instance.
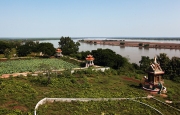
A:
(90, 18)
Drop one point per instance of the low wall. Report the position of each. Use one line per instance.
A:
(99, 68)
(36, 73)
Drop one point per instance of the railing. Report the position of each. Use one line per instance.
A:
(51, 100)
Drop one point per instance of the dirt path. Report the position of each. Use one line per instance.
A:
(131, 79)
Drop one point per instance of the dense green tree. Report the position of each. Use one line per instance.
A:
(145, 62)
(107, 57)
(103, 57)
(14, 43)
(174, 69)
(84, 55)
(120, 61)
(136, 66)
(68, 46)
(46, 48)
(32, 46)
(3, 46)
(164, 62)
(23, 50)
(27, 48)
(175, 63)
(7, 53)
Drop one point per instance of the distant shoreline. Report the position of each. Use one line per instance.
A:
(93, 38)
(140, 44)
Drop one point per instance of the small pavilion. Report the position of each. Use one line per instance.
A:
(155, 73)
(154, 81)
(89, 60)
(58, 52)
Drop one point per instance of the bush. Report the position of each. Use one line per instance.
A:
(140, 44)
(66, 73)
(146, 45)
(176, 79)
(122, 43)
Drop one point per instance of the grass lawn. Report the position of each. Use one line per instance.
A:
(19, 95)
(123, 107)
(1, 55)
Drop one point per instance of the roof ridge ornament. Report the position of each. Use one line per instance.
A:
(155, 60)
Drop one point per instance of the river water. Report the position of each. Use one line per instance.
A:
(132, 53)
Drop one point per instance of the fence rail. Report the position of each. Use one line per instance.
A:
(51, 100)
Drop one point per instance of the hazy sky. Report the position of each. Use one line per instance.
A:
(90, 18)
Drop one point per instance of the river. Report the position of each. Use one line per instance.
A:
(132, 53)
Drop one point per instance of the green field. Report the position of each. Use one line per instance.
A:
(32, 65)
(123, 107)
(18, 96)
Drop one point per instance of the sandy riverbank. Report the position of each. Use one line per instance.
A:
(124, 43)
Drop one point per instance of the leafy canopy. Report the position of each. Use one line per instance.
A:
(3, 46)
(46, 48)
(107, 57)
(68, 46)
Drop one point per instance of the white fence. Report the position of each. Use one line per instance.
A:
(51, 100)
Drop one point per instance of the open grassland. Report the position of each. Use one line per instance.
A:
(19, 95)
(32, 65)
(122, 107)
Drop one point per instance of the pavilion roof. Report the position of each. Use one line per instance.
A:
(155, 68)
(58, 50)
(89, 57)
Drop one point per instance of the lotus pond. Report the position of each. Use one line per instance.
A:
(32, 65)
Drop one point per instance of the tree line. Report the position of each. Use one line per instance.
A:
(24, 48)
